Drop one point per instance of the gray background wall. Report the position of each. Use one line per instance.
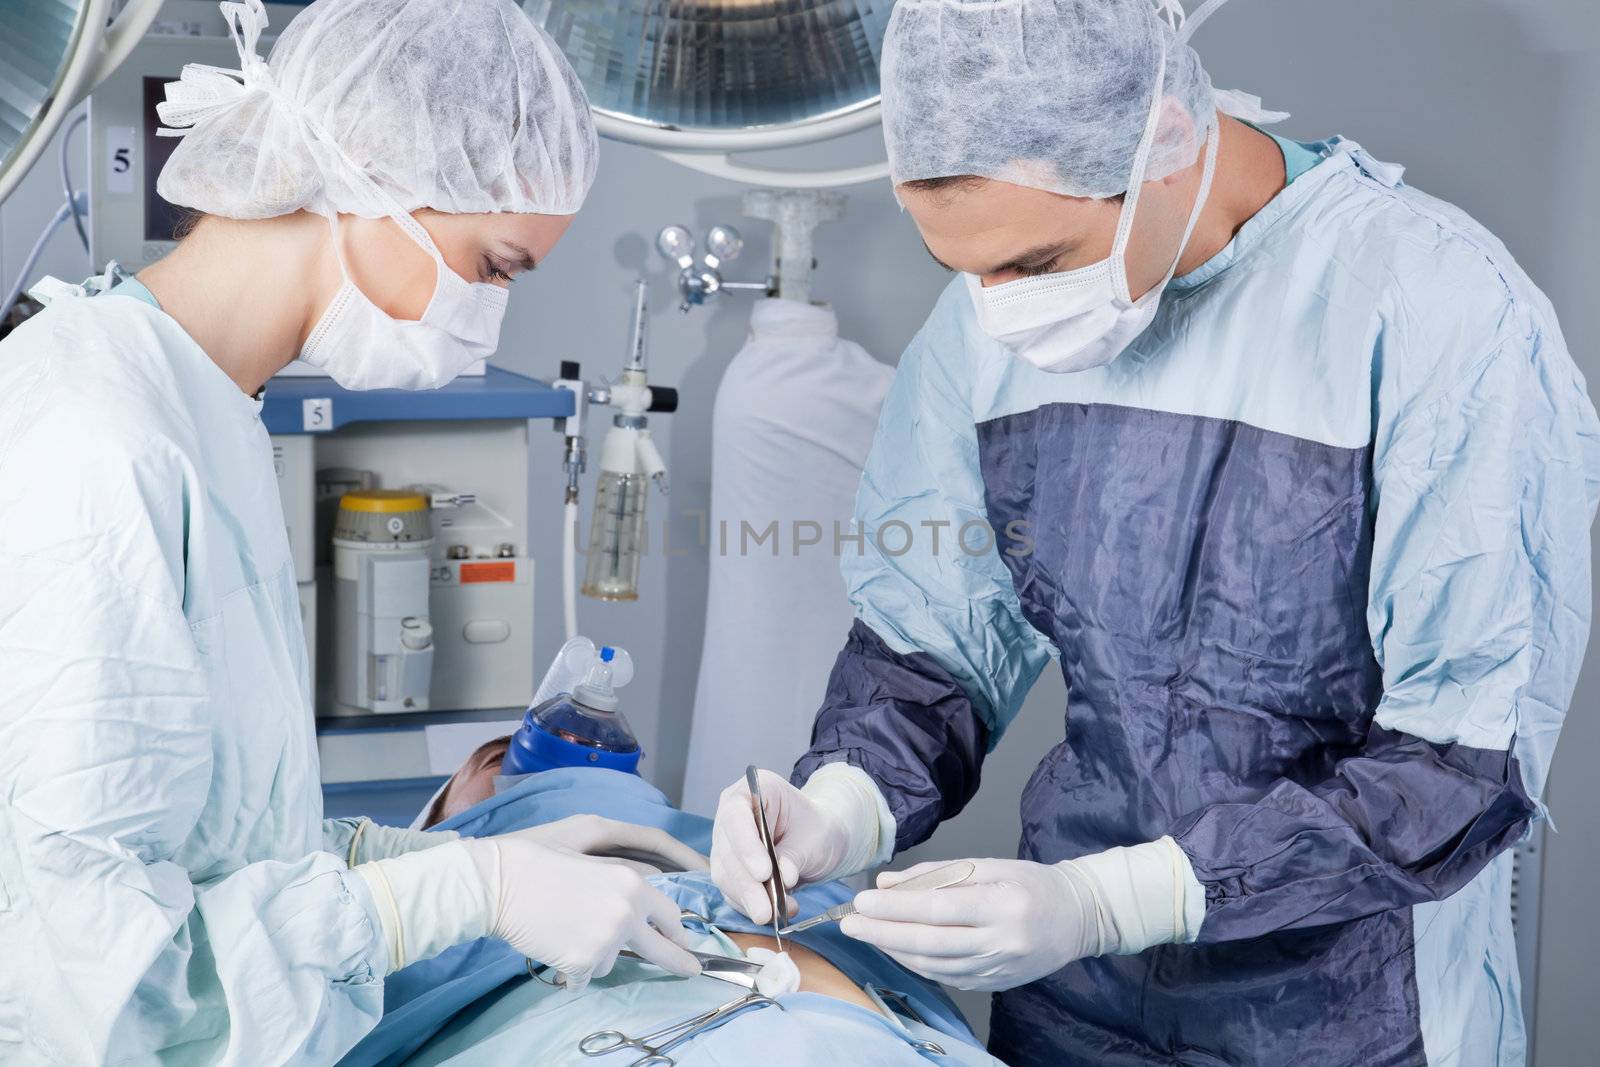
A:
(1494, 104)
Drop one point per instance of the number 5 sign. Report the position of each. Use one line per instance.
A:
(316, 414)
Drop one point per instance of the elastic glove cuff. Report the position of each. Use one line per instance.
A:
(848, 795)
(373, 842)
(426, 901)
(1148, 892)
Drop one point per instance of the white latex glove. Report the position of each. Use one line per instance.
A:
(1015, 921)
(567, 911)
(836, 825)
(1011, 922)
(642, 848)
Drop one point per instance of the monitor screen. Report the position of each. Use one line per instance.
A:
(160, 218)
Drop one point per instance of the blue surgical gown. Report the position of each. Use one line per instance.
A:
(164, 889)
(1313, 555)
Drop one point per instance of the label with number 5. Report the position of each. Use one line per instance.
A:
(316, 414)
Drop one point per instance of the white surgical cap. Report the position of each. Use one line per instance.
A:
(1048, 94)
(455, 105)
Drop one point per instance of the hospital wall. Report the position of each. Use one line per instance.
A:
(1489, 105)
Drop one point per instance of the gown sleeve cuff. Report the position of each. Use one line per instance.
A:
(426, 901)
(853, 799)
(1149, 892)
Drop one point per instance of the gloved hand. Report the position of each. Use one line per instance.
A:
(1011, 922)
(837, 825)
(1015, 921)
(641, 848)
(568, 911)
(574, 913)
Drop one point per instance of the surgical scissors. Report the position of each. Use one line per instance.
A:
(657, 1044)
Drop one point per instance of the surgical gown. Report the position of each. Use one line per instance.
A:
(1313, 555)
(163, 890)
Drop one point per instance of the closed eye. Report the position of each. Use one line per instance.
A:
(1037, 261)
(1036, 270)
(495, 271)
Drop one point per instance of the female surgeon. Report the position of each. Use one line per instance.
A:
(169, 890)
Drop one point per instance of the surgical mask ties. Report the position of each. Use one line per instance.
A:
(1080, 319)
(360, 346)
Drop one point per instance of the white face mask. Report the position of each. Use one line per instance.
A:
(1077, 319)
(359, 346)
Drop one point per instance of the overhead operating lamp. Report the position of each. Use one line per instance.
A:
(52, 52)
(696, 80)
(701, 79)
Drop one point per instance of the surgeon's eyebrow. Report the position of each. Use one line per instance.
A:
(525, 260)
(1031, 260)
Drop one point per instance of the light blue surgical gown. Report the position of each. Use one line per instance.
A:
(164, 893)
(1313, 557)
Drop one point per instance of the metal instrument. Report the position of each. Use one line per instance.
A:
(902, 1005)
(774, 885)
(950, 874)
(722, 968)
(657, 1044)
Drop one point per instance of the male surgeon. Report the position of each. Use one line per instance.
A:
(1286, 463)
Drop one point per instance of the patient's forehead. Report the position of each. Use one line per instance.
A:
(472, 784)
(490, 752)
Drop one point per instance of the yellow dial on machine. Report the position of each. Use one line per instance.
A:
(383, 517)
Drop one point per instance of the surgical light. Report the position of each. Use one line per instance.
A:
(53, 53)
(710, 67)
(700, 80)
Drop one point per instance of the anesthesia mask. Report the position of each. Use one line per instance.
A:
(583, 727)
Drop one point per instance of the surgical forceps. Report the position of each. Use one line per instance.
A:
(776, 895)
(883, 997)
(657, 1044)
